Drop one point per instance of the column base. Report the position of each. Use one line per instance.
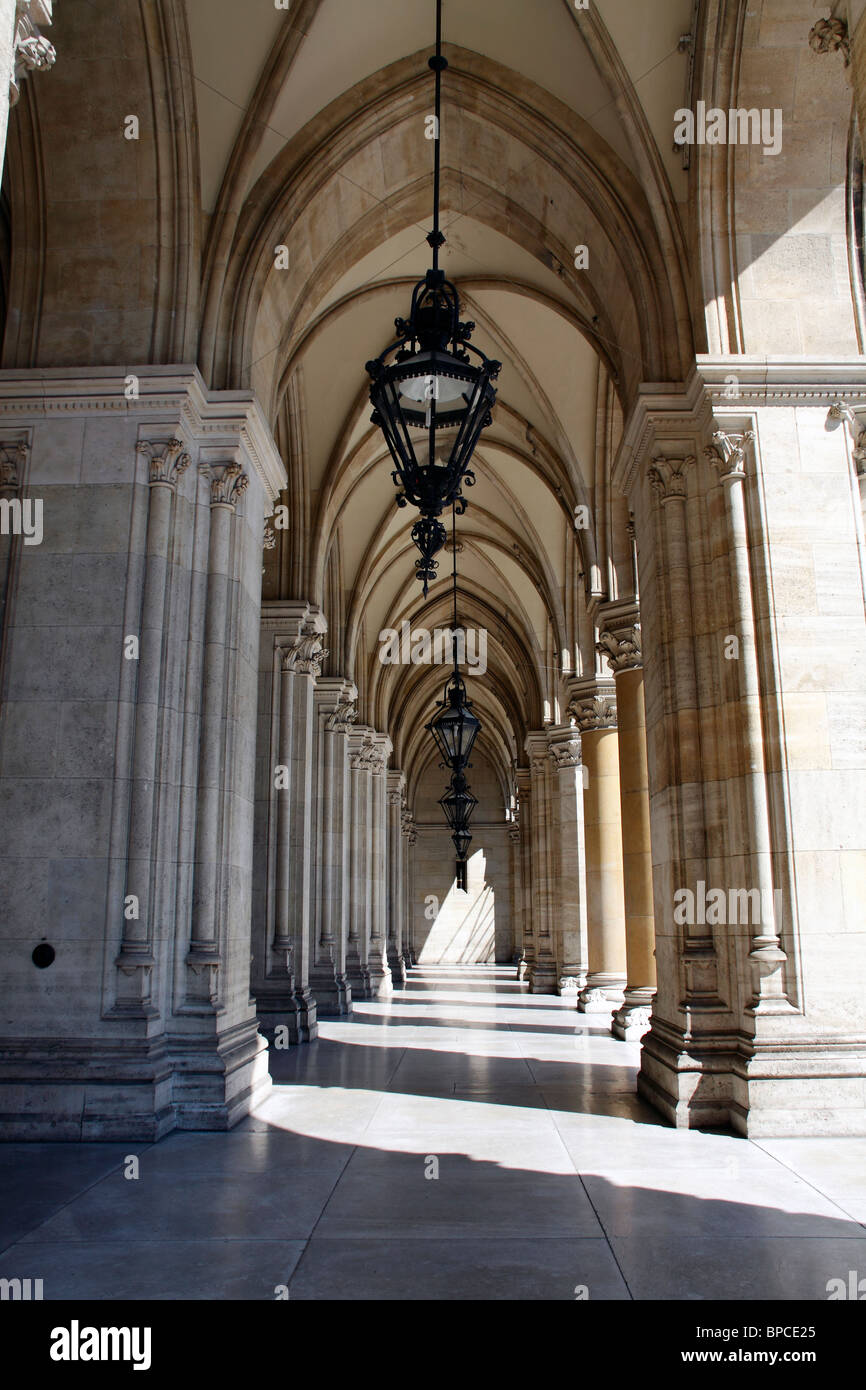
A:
(397, 966)
(788, 1086)
(632, 1019)
(295, 1010)
(331, 991)
(602, 993)
(543, 977)
(368, 982)
(569, 987)
(107, 1089)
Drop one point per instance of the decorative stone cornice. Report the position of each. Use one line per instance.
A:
(166, 461)
(668, 477)
(223, 424)
(621, 648)
(727, 453)
(228, 484)
(597, 712)
(13, 458)
(33, 52)
(831, 36)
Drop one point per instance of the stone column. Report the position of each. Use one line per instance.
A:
(13, 462)
(167, 462)
(516, 875)
(292, 655)
(381, 984)
(228, 483)
(542, 973)
(525, 912)
(569, 907)
(621, 646)
(396, 782)
(335, 706)
(410, 835)
(595, 715)
(360, 863)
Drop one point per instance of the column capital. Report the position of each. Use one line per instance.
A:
(594, 713)
(335, 698)
(621, 648)
(563, 747)
(13, 458)
(668, 477)
(33, 52)
(727, 454)
(305, 656)
(166, 461)
(228, 483)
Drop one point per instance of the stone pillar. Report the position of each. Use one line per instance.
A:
(621, 645)
(595, 715)
(525, 911)
(542, 972)
(381, 982)
(292, 654)
(396, 783)
(567, 830)
(410, 835)
(360, 863)
(515, 862)
(166, 462)
(129, 658)
(335, 707)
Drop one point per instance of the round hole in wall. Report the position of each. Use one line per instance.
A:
(43, 955)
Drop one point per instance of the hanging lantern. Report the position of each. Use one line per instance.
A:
(430, 399)
(456, 727)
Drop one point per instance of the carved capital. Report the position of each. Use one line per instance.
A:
(829, 36)
(13, 458)
(166, 461)
(668, 477)
(33, 52)
(305, 656)
(269, 537)
(341, 719)
(860, 454)
(598, 712)
(565, 753)
(227, 485)
(514, 833)
(727, 453)
(621, 649)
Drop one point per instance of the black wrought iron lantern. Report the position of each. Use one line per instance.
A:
(456, 727)
(458, 804)
(430, 398)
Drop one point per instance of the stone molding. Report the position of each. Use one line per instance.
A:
(166, 461)
(33, 52)
(665, 416)
(227, 424)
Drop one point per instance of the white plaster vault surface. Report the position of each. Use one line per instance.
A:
(552, 1174)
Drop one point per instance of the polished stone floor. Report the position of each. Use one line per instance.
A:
(554, 1180)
